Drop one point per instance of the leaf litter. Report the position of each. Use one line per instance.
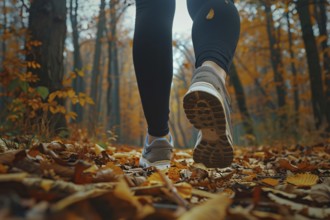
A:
(81, 180)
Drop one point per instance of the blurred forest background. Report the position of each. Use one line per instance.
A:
(66, 69)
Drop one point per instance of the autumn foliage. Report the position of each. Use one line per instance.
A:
(80, 179)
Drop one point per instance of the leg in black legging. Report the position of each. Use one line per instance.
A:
(214, 39)
(153, 60)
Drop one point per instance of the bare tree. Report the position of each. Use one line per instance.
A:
(293, 68)
(78, 83)
(117, 8)
(241, 100)
(322, 22)
(276, 60)
(97, 59)
(313, 61)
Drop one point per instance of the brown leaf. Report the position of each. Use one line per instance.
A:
(63, 171)
(285, 164)
(104, 175)
(8, 157)
(79, 176)
(3, 169)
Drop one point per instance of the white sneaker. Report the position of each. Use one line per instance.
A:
(207, 106)
(158, 153)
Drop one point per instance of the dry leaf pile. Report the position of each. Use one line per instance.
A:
(81, 180)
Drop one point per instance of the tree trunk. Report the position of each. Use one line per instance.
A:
(294, 71)
(313, 62)
(47, 24)
(78, 83)
(276, 61)
(97, 58)
(3, 52)
(113, 74)
(322, 24)
(240, 99)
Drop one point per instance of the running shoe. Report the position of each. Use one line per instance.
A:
(158, 153)
(207, 107)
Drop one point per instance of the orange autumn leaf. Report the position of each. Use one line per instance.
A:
(303, 179)
(270, 181)
(174, 174)
(285, 164)
(250, 177)
(305, 166)
(117, 170)
(184, 190)
(154, 179)
(3, 168)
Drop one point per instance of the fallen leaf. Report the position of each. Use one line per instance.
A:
(46, 184)
(116, 169)
(213, 209)
(202, 193)
(174, 174)
(266, 215)
(321, 192)
(321, 213)
(270, 181)
(3, 168)
(285, 164)
(303, 179)
(210, 15)
(184, 190)
(279, 192)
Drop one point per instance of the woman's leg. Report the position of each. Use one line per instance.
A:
(153, 60)
(214, 38)
(215, 33)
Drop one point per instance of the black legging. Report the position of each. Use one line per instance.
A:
(214, 40)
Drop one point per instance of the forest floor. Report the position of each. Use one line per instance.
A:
(78, 179)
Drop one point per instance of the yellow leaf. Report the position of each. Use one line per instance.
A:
(184, 190)
(89, 100)
(71, 93)
(303, 179)
(210, 15)
(46, 184)
(72, 115)
(270, 181)
(80, 73)
(51, 97)
(82, 102)
(155, 178)
(52, 109)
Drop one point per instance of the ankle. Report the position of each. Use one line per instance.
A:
(221, 72)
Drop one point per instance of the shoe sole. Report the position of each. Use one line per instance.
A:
(204, 109)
